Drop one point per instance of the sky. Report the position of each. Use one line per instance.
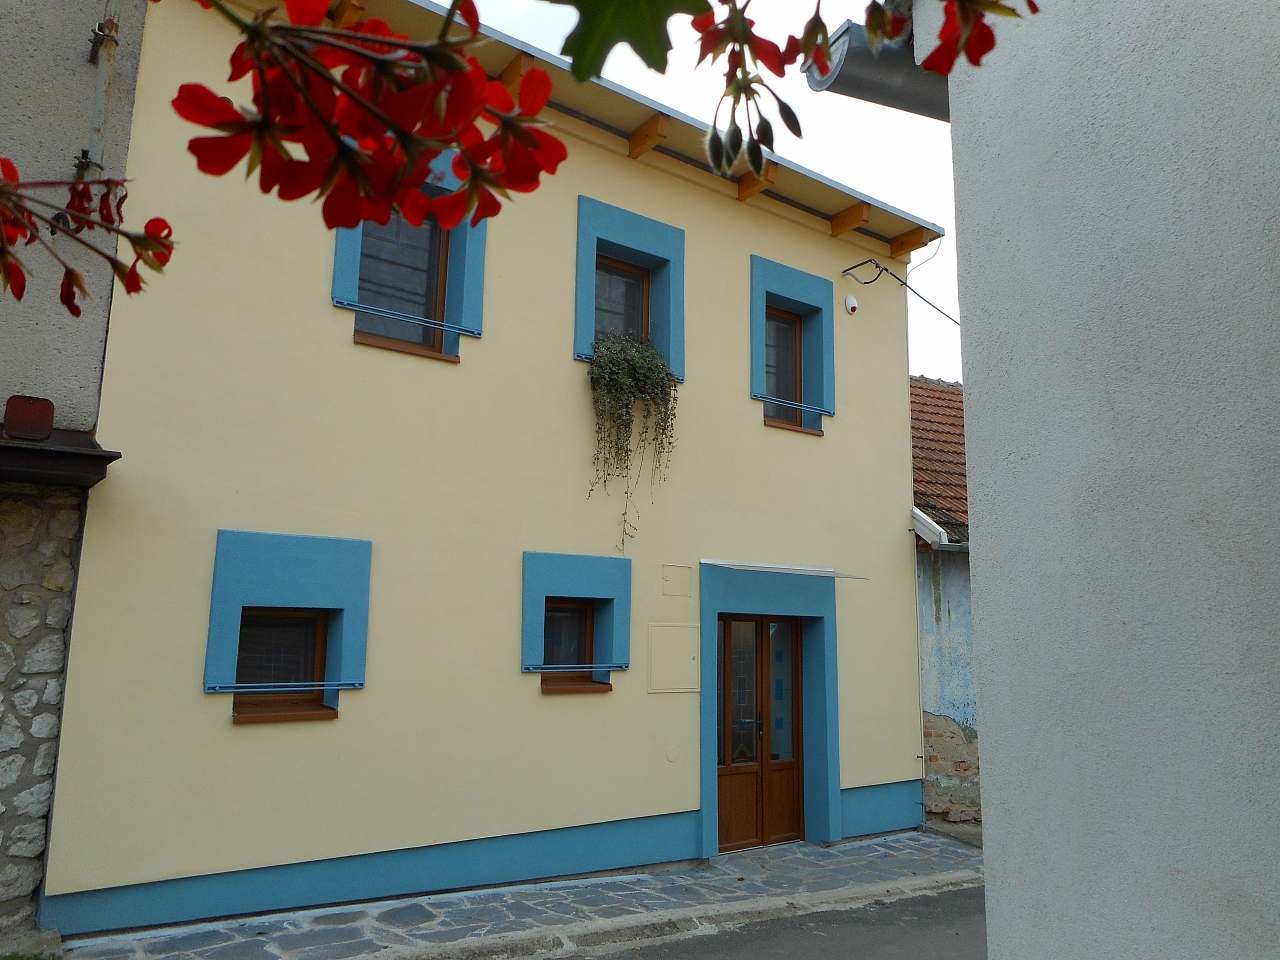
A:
(896, 157)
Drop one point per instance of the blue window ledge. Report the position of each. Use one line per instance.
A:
(810, 297)
(607, 580)
(278, 570)
(464, 277)
(643, 242)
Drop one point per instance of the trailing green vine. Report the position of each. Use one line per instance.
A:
(631, 386)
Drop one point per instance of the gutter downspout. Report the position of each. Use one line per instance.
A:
(927, 530)
(890, 78)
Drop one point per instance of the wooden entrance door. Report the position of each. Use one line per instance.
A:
(758, 699)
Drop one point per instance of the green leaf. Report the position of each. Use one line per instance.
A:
(603, 24)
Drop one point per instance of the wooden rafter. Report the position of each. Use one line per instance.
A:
(850, 218)
(648, 135)
(514, 71)
(749, 184)
(347, 12)
(904, 243)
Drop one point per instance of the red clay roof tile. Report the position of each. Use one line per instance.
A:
(937, 453)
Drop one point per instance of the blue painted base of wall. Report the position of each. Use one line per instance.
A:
(882, 808)
(447, 866)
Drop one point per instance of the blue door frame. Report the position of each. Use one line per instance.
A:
(813, 600)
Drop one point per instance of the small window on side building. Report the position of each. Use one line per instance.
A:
(568, 632)
(622, 299)
(285, 648)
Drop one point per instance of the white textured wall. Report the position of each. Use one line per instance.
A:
(1118, 190)
(48, 94)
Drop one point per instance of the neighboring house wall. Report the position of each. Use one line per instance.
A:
(242, 402)
(51, 110)
(946, 685)
(1116, 185)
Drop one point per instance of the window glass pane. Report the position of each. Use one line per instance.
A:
(276, 649)
(742, 671)
(565, 634)
(781, 365)
(400, 270)
(782, 638)
(619, 301)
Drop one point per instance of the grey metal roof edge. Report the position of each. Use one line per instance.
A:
(559, 61)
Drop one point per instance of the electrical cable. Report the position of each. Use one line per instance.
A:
(881, 269)
(936, 250)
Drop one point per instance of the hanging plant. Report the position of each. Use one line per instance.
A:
(631, 387)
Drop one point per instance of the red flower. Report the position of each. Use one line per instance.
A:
(214, 155)
(470, 15)
(8, 171)
(72, 283)
(768, 53)
(15, 277)
(307, 13)
(535, 91)
(158, 229)
(962, 29)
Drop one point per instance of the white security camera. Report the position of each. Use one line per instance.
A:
(851, 304)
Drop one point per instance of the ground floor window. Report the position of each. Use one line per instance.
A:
(568, 633)
(283, 650)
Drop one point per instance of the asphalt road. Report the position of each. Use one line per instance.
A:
(949, 926)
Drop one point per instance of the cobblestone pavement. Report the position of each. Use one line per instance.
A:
(544, 912)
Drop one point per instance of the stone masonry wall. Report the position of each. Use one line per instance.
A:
(39, 546)
(951, 784)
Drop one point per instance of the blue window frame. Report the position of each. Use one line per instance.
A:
(605, 580)
(464, 274)
(810, 298)
(642, 242)
(275, 570)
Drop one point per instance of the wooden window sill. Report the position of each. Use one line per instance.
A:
(587, 686)
(281, 713)
(793, 427)
(401, 346)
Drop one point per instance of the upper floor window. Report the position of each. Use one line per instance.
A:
(622, 299)
(792, 346)
(414, 289)
(629, 282)
(783, 365)
(404, 270)
(282, 651)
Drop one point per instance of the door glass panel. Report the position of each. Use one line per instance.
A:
(782, 639)
(720, 695)
(742, 686)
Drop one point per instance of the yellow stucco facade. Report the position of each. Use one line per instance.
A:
(239, 400)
